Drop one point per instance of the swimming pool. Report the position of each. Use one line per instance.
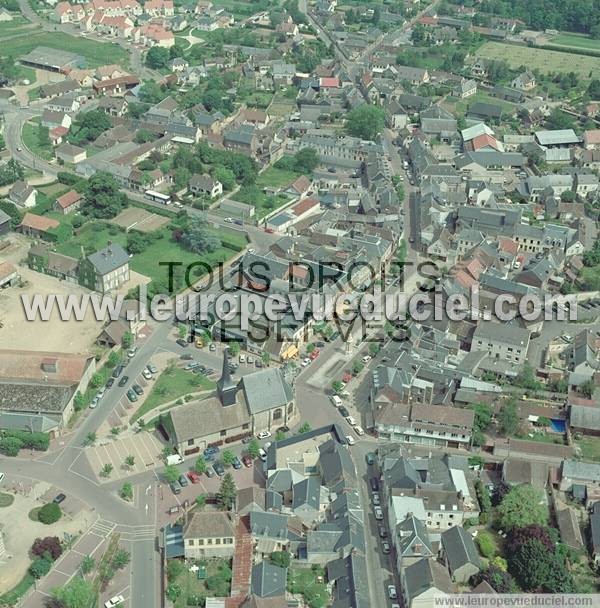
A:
(558, 425)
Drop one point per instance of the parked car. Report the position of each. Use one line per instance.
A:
(131, 395)
(382, 531)
(351, 421)
(263, 434)
(175, 487)
(114, 601)
(193, 476)
(118, 371)
(236, 463)
(183, 482)
(392, 594)
(138, 389)
(151, 368)
(385, 547)
(58, 498)
(378, 513)
(110, 382)
(242, 358)
(314, 354)
(247, 460)
(94, 402)
(320, 344)
(132, 351)
(350, 440)
(376, 499)
(374, 484)
(370, 458)
(210, 472)
(344, 412)
(124, 380)
(186, 357)
(262, 455)
(366, 358)
(212, 347)
(336, 401)
(147, 375)
(183, 343)
(219, 469)
(359, 430)
(305, 362)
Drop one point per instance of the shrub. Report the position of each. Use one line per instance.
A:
(41, 566)
(49, 545)
(486, 544)
(49, 513)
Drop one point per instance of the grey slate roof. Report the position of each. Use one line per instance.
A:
(268, 580)
(265, 390)
(425, 574)
(108, 259)
(269, 525)
(460, 548)
(502, 332)
(4, 217)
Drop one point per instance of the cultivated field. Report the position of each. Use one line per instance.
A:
(140, 219)
(541, 59)
(577, 41)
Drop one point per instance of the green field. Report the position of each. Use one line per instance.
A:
(461, 105)
(95, 53)
(33, 141)
(541, 59)
(17, 26)
(276, 178)
(578, 41)
(172, 384)
(590, 448)
(93, 236)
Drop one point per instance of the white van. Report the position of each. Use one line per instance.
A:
(336, 401)
(174, 459)
(262, 455)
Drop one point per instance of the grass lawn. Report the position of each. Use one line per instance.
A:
(590, 448)
(16, 26)
(92, 236)
(461, 106)
(172, 384)
(304, 581)
(276, 178)
(543, 437)
(216, 584)
(11, 598)
(95, 53)
(32, 139)
(541, 59)
(264, 203)
(53, 190)
(578, 41)
(6, 499)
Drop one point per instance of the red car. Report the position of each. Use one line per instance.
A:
(269, 230)
(347, 377)
(193, 477)
(314, 354)
(247, 461)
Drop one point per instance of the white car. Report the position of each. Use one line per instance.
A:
(1, 476)
(229, 220)
(392, 594)
(94, 402)
(251, 250)
(350, 440)
(336, 401)
(242, 358)
(376, 499)
(131, 352)
(366, 358)
(267, 445)
(378, 513)
(351, 421)
(114, 601)
(262, 455)
(101, 392)
(146, 373)
(305, 362)
(359, 430)
(264, 434)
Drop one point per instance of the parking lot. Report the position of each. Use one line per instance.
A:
(144, 447)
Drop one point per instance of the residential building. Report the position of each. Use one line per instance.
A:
(22, 194)
(105, 270)
(460, 554)
(209, 534)
(424, 581)
(205, 185)
(68, 203)
(37, 226)
(502, 341)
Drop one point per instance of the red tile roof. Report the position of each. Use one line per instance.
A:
(38, 222)
(303, 206)
(329, 83)
(68, 199)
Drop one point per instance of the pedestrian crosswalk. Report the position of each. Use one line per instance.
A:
(136, 533)
(103, 527)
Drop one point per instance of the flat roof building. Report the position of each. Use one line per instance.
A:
(53, 60)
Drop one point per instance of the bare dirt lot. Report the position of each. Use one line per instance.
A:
(140, 219)
(52, 335)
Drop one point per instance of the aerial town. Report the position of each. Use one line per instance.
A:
(275, 170)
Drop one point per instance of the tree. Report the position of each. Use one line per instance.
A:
(113, 359)
(357, 367)
(306, 160)
(253, 449)
(521, 535)
(200, 465)
(501, 489)
(281, 559)
(526, 379)
(587, 388)
(103, 198)
(234, 348)
(365, 121)
(129, 461)
(127, 340)
(90, 438)
(50, 545)
(501, 581)
(120, 559)
(559, 120)
(200, 501)
(11, 172)
(50, 513)
(337, 386)
(87, 564)
(157, 58)
(144, 135)
(225, 176)
(509, 418)
(126, 491)
(171, 473)
(88, 126)
(537, 569)
(305, 428)
(198, 238)
(106, 470)
(40, 566)
(521, 507)
(175, 569)
(419, 34)
(227, 457)
(483, 419)
(173, 592)
(97, 380)
(266, 358)
(227, 493)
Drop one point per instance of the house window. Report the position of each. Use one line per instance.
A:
(277, 414)
(191, 542)
(246, 426)
(200, 541)
(217, 541)
(209, 541)
(190, 442)
(223, 433)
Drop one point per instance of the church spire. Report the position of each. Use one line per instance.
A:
(226, 387)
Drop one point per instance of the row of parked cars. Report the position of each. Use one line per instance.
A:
(339, 405)
(591, 305)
